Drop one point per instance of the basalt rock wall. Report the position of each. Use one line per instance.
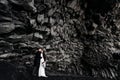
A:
(80, 37)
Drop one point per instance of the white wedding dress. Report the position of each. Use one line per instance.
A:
(42, 66)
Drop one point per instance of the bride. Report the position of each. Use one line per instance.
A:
(41, 72)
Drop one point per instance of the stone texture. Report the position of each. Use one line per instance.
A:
(38, 36)
(26, 4)
(80, 37)
(6, 27)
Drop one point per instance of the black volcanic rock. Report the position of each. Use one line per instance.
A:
(15, 38)
(38, 36)
(26, 4)
(4, 10)
(6, 27)
(80, 37)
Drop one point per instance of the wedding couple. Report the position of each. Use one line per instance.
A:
(39, 63)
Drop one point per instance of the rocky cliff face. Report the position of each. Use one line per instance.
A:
(80, 37)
